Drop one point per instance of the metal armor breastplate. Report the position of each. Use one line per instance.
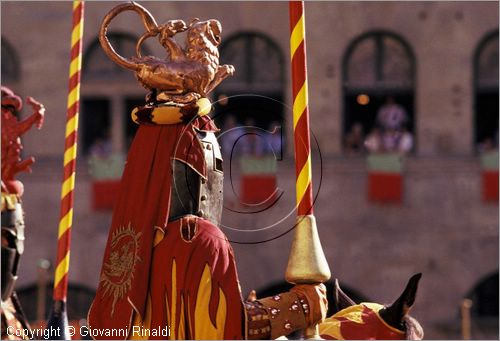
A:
(12, 247)
(194, 194)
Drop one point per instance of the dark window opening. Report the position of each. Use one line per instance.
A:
(10, 63)
(378, 84)
(484, 297)
(79, 298)
(254, 95)
(130, 126)
(96, 123)
(486, 93)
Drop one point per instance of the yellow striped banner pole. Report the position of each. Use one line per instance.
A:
(59, 316)
(304, 191)
(307, 262)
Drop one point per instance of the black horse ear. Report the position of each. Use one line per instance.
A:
(395, 313)
(340, 298)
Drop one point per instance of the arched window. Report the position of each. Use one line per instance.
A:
(249, 106)
(486, 92)
(484, 308)
(259, 64)
(377, 66)
(96, 65)
(484, 297)
(10, 63)
(99, 108)
(80, 297)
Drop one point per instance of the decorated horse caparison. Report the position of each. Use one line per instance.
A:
(373, 321)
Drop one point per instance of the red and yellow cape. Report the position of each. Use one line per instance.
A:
(151, 275)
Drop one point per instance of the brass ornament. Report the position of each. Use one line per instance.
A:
(188, 73)
(307, 262)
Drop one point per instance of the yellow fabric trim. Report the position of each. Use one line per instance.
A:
(297, 35)
(70, 154)
(204, 329)
(331, 327)
(167, 115)
(182, 328)
(68, 185)
(9, 201)
(72, 125)
(171, 336)
(61, 270)
(221, 313)
(190, 323)
(158, 237)
(137, 321)
(172, 114)
(300, 104)
(65, 222)
(303, 179)
(74, 95)
(173, 314)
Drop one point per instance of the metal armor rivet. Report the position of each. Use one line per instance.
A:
(209, 147)
(200, 213)
(203, 198)
(203, 180)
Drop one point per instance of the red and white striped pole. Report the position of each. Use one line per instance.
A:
(59, 316)
(307, 262)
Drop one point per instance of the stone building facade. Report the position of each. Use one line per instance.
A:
(429, 56)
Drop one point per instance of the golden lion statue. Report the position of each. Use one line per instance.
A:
(188, 74)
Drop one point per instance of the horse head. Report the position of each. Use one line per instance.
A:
(396, 314)
(372, 320)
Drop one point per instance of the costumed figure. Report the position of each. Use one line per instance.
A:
(12, 314)
(168, 271)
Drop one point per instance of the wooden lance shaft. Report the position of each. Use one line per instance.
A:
(307, 262)
(59, 316)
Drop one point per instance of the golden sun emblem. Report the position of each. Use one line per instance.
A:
(118, 270)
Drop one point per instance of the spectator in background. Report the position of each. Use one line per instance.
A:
(230, 134)
(373, 142)
(391, 115)
(354, 140)
(273, 140)
(390, 134)
(252, 143)
(405, 144)
(102, 147)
